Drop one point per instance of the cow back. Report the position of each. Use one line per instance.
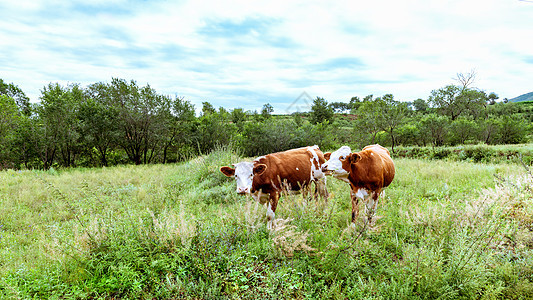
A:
(291, 169)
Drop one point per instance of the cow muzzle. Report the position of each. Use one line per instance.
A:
(326, 171)
(242, 191)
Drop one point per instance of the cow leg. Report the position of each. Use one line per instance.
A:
(271, 209)
(305, 188)
(371, 205)
(355, 205)
(321, 189)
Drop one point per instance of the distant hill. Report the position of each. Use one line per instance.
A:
(524, 97)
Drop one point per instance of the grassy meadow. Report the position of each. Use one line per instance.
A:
(445, 229)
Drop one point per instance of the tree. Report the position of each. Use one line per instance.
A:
(13, 91)
(58, 112)
(267, 110)
(366, 126)
(453, 101)
(392, 114)
(207, 108)
(9, 116)
(179, 122)
(238, 117)
(140, 118)
(420, 105)
(321, 111)
(340, 107)
(99, 124)
(513, 129)
(436, 127)
(466, 79)
(492, 97)
(354, 104)
(213, 130)
(382, 114)
(463, 129)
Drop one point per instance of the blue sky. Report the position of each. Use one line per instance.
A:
(248, 53)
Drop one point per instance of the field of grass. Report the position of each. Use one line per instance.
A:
(445, 229)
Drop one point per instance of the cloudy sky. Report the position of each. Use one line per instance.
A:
(247, 53)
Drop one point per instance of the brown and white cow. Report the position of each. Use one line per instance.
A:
(368, 172)
(268, 176)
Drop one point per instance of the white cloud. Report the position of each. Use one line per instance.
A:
(406, 48)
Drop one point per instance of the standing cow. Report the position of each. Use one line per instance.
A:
(368, 172)
(267, 176)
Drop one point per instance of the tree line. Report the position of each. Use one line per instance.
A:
(120, 122)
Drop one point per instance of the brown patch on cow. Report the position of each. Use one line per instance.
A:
(259, 169)
(327, 155)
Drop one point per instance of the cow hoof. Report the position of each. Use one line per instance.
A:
(270, 225)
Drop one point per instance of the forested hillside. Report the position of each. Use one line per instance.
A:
(524, 97)
(120, 122)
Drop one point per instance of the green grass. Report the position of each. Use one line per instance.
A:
(443, 230)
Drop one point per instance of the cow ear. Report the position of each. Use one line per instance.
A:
(354, 157)
(259, 169)
(327, 155)
(227, 171)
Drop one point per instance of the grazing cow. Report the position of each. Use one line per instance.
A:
(368, 172)
(267, 176)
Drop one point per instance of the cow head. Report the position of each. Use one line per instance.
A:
(347, 162)
(334, 165)
(243, 173)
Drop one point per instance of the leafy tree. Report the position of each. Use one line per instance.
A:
(26, 141)
(492, 97)
(392, 114)
(140, 118)
(13, 91)
(436, 127)
(381, 114)
(454, 100)
(411, 134)
(420, 105)
(99, 124)
(58, 112)
(354, 104)
(512, 129)
(267, 110)
(238, 117)
(340, 107)
(366, 126)
(213, 130)
(463, 129)
(179, 125)
(489, 129)
(321, 111)
(298, 118)
(9, 116)
(207, 108)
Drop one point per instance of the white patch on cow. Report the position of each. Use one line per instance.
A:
(244, 176)
(361, 194)
(371, 205)
(259, 158)
(334, 163)
(297, 169)
(316, 173)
